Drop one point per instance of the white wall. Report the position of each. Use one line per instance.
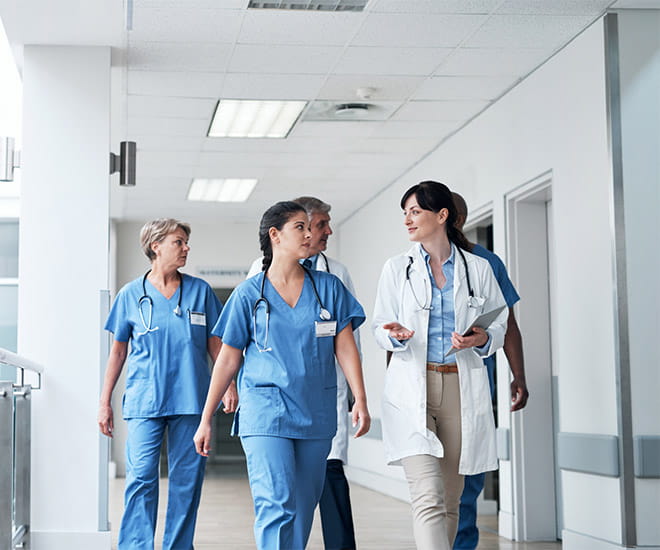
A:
(553, 121)
(639, 52)
(63, 266)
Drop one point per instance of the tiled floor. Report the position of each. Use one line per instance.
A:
(225, 518)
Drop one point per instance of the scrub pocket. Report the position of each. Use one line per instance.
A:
(260, 411)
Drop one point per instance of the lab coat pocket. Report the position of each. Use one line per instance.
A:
(261, 410)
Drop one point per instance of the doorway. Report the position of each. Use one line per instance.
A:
(536, 488)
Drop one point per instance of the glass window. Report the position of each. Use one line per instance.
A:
(8, 249)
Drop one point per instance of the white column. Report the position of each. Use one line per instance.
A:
(63, 264)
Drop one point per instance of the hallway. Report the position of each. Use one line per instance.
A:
(225, 518)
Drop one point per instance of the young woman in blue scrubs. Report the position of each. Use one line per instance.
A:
(167, 317)
(290, 322)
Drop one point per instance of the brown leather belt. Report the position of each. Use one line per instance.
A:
(441, 367)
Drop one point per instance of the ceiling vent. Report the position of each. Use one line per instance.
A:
(311, 5)
(320, 110)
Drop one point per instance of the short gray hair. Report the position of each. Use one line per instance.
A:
(312, 205)
(155, 231)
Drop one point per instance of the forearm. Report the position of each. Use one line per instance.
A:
(226, 366)
(349, 361)
(113, 370)
(513, 349)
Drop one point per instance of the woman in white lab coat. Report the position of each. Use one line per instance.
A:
(436, 411)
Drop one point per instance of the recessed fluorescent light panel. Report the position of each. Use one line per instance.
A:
(317, 5)
(240, 118)
(221, 190)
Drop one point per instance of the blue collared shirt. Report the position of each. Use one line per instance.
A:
(441, 316)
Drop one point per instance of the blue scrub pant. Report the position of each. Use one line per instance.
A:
(186, 473)
(467, 536)
(286, 479)
(335, 509)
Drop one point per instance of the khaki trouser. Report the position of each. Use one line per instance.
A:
(435, 484)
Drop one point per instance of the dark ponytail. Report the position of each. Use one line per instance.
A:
(434, 196)
(276, 216)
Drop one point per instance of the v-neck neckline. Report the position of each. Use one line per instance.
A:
(302, 291)
(159, 293)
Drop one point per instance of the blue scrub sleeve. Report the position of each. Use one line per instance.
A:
(346, 308)
(506, 286)
(234, 325)
(213, 307)
(117, 322)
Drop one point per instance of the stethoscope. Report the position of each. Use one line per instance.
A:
(145, 298)
(324, 314)
(472, 301)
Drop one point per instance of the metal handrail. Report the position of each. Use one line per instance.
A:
(15, 450)
(12, 359)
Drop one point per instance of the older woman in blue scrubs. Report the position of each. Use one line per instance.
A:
(290, 322)
(167, 317)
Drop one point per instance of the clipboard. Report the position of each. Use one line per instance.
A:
(482, 321)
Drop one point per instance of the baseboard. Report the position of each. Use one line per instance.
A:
(57, 540)
(577, 541)
(392, 487)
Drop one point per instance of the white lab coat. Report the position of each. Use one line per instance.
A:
(404, 398)
(339, 450)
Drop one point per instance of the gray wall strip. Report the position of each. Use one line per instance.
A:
(647, 456)
(503, 444)
(589, 453)
(621, 343)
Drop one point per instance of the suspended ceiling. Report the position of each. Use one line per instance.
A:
(428, 67)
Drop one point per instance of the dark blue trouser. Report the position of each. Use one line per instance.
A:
(335, 509)
(467, 536)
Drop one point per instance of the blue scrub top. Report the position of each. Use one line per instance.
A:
(167, 369)
(290, 391)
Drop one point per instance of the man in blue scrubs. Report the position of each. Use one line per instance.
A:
(467, 536)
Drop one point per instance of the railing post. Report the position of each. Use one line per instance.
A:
(22, 397)
(6, 464)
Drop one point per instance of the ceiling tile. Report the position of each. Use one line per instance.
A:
(391, 61)
(167, 126)
(284, 59)
(167, 143)
(174, 83)
(416, 30)
(492, 62)
(439, 110)
(528, 31)
(415, 129)
(395, 146)
(192, 4)
(463, 87)
(387, 88)
(185, 24)
(173, 107)
(554, 7)
(271, 86)
(298, 27)
(435, 6)
(336, 129)
(173, 56)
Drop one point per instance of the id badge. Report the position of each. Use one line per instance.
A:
(197, 318)
(325, 328)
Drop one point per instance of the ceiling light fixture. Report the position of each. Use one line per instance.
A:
(221, 190)
(254, 119)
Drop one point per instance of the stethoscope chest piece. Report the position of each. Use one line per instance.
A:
(325, 314)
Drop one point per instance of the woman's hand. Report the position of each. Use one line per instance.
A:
(202, 438)
(105, 420)
(230, 399)
(398, 332)
(360, 415)
(477, 338)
